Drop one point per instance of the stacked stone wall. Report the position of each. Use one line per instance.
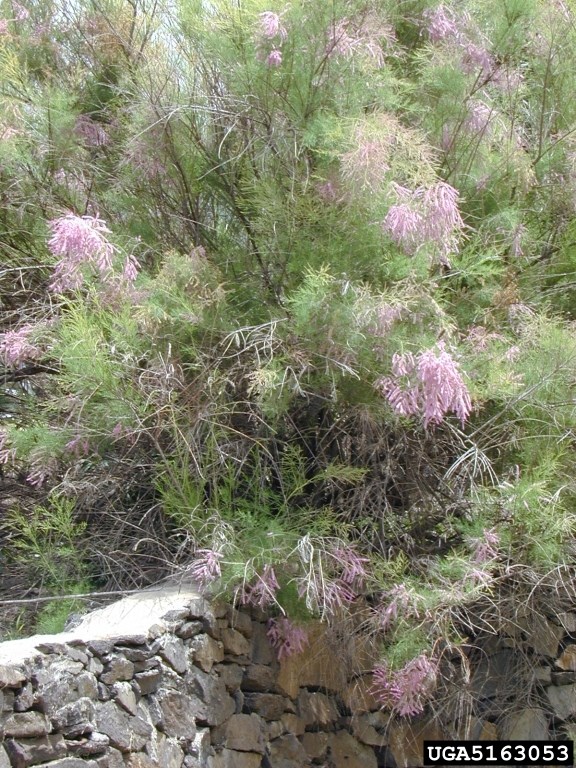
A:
(202, 689)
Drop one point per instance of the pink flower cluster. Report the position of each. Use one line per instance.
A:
(263, 592)
(206, 567)
(430, 384)
(351, 565)
(398, 604)
(443, 25)
(348, 37)
(426, 215)
(486, 548)
(406, 690)
(90, 132)
(16, 346)
(286, 637)
(80, 241)
(274, 32)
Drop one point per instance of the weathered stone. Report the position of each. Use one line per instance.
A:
(25, 699)
(4, 761)
(235, 643)
(136, 639)
(359, 695)
(563, 678)
(314, 667)
(239, 620)
(26, 752)
(140, 760)
(275, 729)
(87, 685)
(205, 651)
(567, 659)
(293, 724)
(492, 674)
(201, 747)
(148, 681)
(347, 752)
(562, 700)
(117, 668)
(262, 651)
(100, 648)
(174, 653)
(136, 654)
(112, 759)
(542, 635)
(231, 675)
(11, 677)
(568, 621)
(238, 697)
(315, 745)
(72, 762)
(75, 719)
(316, 709)
(258, 677)
(213, 703)
(125, 696)
(167, 752)
(177, 714)
(526, 724)
(189, 629)
(227, 758)
(95, 666)
(243, 733)
(202, 610)
(287, 752)
(370, 728)
(270, 706)
(406, 740)
(543, 675)
(176, 614)
(93, 745)
(126, 733)
(27, 724)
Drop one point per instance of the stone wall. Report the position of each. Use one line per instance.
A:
(200, 687)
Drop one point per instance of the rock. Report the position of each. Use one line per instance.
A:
(125, 696)
(316, 709)
(95, 744)
(542, 635)
(239, 620)
(371, 728)
(4, 761)
(275, 729)
(568, 621)
(563, 678)
(169, 754)
(213, 703)
(95, 666)
(189, 629)
(27, 724)
(26, 752)
(25, 699)
(567, 660)
(230, 759)
(314, 667)
(174, 653)
(258, 677)
(287, 752)
(148, 681)
(346, 752)
(75, 719)
(315, 745)
(543, 675)
(72, 762)
(231, 675)
(243, 733)
(125, 733)
(235, 643)
(87, 685)
(177, 714)
(140, 760)
(270, 706)
(11, 677)
(117, 668)
(201, 747)
(562, 700)
(205, 651)
(293, 724)
(527, 724)
(359, 695)
(491, 677)
(262, 651)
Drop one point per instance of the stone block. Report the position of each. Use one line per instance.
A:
(177, 712)
(527, 724)
(359, 695)
(87, 685)
(231, 675)
(293, 724)
(227, 758)
(317, 710)
(11, 677)
(25, 699)
(26, 752)
(189, 629)
(148, 681)
(315, 745)
(262, 651)
(235, 643)
(347, 752)
(243, 733)
(124, 695)
(75, 719)
(314, 667)
(567, 659)
(270, 706)
(126, 733)
(562, 700)
(117, 668)
(27, 725)
(173, 652)
(4, 761)
(213, 703)
(258, 677)
(288, 752)
(95, 744)
(239, 620)
(205, 651)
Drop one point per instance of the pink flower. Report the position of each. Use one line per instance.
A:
(262, 593)
(286, 637)
(274, 58)
(78, 240)
(352, 566)
(6, 454)
(206, 566)
(442, 24)
(79, 446)
(486, 548)
(271, 26)
(3, 26)
(90, 132)
(16, 346)
(131, 268)
(479, 116)
(21, 13)
(406, 690)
